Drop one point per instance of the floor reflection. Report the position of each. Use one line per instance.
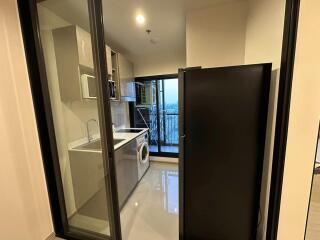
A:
(170, 188)
(152, 210)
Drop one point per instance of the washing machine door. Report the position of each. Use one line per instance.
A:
(144, 153)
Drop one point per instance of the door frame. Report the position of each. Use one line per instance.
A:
(44, 118)
(156, 78)
(30, 30)
(290, 30)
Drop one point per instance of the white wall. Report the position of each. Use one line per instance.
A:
(216, 35)
(159, 64)
(303, 125)
(264, 33)
(24, 206)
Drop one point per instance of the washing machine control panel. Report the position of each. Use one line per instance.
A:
(143, 138)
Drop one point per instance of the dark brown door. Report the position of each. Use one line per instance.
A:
(224, 127)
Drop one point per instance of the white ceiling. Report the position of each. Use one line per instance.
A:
(165, 18)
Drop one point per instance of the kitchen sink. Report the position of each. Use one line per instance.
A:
(96, 145)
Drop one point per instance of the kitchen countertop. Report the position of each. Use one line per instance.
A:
(116, 135)
(127, 136)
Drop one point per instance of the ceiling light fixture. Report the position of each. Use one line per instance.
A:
(140, 19)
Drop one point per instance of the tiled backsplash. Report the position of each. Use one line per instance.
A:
(120, 114)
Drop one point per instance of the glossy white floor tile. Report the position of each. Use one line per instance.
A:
(91, 224)
(152, 210)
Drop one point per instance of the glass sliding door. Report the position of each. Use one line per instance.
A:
(169, 115)
(157, 108)
(70, 41)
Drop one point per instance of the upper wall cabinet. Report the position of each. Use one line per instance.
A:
(74, 56)
(126, 75)
(84, 47)
(74, 63)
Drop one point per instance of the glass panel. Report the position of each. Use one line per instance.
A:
(166, 103)
(313, 222)
(67, 46)
(169, 116)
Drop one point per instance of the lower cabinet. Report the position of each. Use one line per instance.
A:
(88, 183)
(127, 170)
(88, 179)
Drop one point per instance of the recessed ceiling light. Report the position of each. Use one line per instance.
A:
(140, 19)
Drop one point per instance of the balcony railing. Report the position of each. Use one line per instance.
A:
(169, 123)
(169, 129)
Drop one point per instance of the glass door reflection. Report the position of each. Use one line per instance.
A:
(67, 45)
(313, 221)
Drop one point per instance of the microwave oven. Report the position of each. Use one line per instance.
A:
(89, 87)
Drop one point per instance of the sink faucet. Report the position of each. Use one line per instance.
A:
(90, 138)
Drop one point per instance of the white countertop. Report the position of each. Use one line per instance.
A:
(116, 135)
(127, 136)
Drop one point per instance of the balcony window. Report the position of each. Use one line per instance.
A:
(157, 109)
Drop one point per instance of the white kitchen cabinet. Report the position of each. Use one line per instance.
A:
(74, 57)
(84, 47)
(126, 76)
(73, 49)
(88, 180)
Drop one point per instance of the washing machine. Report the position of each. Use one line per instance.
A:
(143, 154)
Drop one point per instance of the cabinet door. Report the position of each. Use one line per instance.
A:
(66, 53)
(84, 48)
(126, 77)
(87, 174)
(109, 60)
(126, 170)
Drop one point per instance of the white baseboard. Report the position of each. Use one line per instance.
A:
(164, 159)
